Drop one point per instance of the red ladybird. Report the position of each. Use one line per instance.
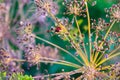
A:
(57, 29)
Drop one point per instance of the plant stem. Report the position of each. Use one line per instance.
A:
(79, 50)
(78, 26)
(59, 48)
(19, 60)
(81, 36)
(109, 53)
(60, 74)
(104, 67)
(49, 60)
(96, 54)
(112, 53)
(57, 60)
(110, 57)
(62, 63)
(89, 29)
(66, 31)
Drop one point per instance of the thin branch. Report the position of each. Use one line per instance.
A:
(110, 57)
(59, 48)
(89, 29)
(104, 67)
(54, 61)
(63, 74)
(81, 36)
(66, 31)
(96, 54)
(111, 53)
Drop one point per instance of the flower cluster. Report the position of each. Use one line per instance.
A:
(75, 7)
(40, 52)
(8, 62)
(24, 34)
(44, 6)
(100, 28)
(114, 12)
(115, 72)
(5, 57)
(100, 25)
(33, 53)
(90, 73)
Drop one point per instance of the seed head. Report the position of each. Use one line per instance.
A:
(39, 52)
(114, 73)
(34, 55)
(24, 34)
(90, 73)
(114, 12)
(7, 62)
(99, 25)
(5, 57)
(75, 7)
(45, 6)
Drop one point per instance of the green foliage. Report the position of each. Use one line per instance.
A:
(2, 75)
(20, 77)
(15, 76)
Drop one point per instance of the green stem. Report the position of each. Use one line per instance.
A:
(114, 51)
(109, 53)
(96, 54)
(62, 63)
(58, 48)
(89, 28)
(104, 67)
(110, 57)
(78, 27)
(55, 61)
(80, 52)
(80, 35)
(75, 46)
(60, 74)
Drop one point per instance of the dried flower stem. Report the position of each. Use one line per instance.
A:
(60, 74)
(111, 53)
(74, 45)
(80, 52)
(62, 63)
(59, 48)
(80, 35)
(89, 29)
(78, 27)
(49, 60)
(104, 67)
(110, 57)
(19, 60)
(96, 54)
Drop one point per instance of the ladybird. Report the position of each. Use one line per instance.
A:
(57, 29)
